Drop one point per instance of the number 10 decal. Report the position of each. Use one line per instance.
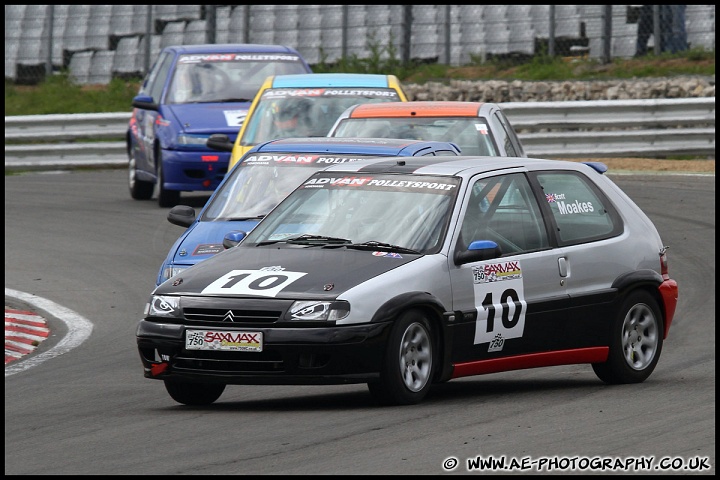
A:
(500, 302)
(265, 283)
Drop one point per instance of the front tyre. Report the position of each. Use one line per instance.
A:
(636, 342)
(408, 368)
(194, 393)
(166, 198)
(139, 190)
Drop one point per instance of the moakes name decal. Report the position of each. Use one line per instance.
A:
(568, 207)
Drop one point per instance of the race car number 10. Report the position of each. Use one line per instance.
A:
(265, 283)
(500, 303)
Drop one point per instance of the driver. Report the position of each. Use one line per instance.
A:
(292, 118)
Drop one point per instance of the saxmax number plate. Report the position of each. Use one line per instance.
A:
(224, 340)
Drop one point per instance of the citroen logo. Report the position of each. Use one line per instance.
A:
(229, 317)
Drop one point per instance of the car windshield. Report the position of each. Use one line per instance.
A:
(227, 77)
(305, 112)
(471, 134)
(261, 180)
(365, 210)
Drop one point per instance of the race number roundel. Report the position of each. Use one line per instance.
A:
(500, 301)
(264, 283)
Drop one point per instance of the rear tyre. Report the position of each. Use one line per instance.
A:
(139, 190)
(408, 368)
(194, 393)
(166, 198)
(636, 342)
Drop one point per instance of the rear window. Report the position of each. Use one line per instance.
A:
(471, 134)
(580, 211)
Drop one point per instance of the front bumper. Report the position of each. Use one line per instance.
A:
(290, 356)
(194, 170)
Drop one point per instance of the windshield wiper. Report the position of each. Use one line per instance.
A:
(231, 99)
(373, 245)
(242, 219)
(308, 239)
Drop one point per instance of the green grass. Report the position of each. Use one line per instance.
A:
(58, 94)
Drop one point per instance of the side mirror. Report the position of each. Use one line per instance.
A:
(477, 251)
(233, 238)
(219, 141)
(145, 102)
(181, 215)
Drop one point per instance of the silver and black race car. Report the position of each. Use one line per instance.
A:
(404, 272)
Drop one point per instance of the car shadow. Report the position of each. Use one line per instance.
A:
(357, 397)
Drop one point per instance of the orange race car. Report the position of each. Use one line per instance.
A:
(478, 128)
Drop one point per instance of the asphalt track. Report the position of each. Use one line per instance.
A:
(83, 255)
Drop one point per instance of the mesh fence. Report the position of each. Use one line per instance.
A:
(95, 43)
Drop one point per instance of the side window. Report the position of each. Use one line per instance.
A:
(512, 143)
(152, 74)
(503, 209)
(157, 77)
(581, 212)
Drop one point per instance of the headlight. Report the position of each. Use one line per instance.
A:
(192, 141)
(173, 270)
(316, 310)
(163, 306)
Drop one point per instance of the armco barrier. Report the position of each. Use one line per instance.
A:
(604, 128)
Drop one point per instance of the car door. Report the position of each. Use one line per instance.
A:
(145, 118)
(589, 228)
(513, 304)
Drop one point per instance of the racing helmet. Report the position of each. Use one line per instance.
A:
(289, 111)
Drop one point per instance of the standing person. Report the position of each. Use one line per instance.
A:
(645, 28)
(673, 33)
(673, 28)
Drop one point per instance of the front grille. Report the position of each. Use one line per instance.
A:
(231, 315)
(237, 362)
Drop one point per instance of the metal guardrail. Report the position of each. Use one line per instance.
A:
(574, 129)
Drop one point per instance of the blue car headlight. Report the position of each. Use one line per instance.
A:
(191, 141)
(318, 310)
(163, 306)
(172, 270)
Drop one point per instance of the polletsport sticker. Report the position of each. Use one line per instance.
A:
(500, 302)
(263, 282)
(297, 159)
(382, 183)
(329, 92)
(237, 57)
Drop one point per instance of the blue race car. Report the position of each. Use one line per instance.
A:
(190, 93)
(263, 177)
